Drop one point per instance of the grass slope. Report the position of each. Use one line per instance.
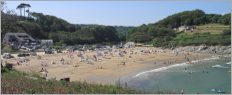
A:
(14, 82)
(214, 28)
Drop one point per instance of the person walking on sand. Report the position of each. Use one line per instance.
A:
(182, 91)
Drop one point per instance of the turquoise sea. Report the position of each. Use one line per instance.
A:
(176, 77)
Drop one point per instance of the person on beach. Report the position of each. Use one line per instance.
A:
(182, 91)
(17, 63)
(125, 85)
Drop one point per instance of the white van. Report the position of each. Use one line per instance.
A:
(7, 55)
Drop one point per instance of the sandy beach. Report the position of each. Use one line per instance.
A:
(111, 67)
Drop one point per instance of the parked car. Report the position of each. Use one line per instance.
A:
(7, 55)
(23, 54)
(74, 48)
(82, 49)
(68, 48)
(58, 51)
(48, 52)
(91, 48)
(33, 54)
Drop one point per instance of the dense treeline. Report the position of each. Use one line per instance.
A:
(121, 30)
(195, 17)
(45, 26)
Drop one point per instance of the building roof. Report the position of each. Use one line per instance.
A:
(45, 39)
(16, 34)
(20, 34)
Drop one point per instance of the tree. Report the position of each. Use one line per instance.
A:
(8, 19)
(196, 21)
(23, 6)
(20, 7)
(28, 6)
(188, 22)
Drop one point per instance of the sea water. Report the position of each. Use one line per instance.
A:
(206, 75)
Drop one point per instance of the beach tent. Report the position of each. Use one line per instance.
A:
(99, 54)
(120, 55)
(82, 56)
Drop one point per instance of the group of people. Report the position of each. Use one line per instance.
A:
(214, 89)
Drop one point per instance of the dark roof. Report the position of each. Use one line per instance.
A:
(20, 34)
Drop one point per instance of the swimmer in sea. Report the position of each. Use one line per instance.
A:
(220, 90)
(214, 89)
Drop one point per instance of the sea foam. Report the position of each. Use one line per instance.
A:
(219, 66)
(164, 69)
(228, 63)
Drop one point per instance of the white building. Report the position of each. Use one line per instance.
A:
(48, 42)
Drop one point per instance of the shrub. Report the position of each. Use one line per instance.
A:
(180, 32)
(35, 75)
(3, 70)
(9, 66)
(227, 31)
(2, 46)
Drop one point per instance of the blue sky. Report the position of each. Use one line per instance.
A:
(125, 13)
